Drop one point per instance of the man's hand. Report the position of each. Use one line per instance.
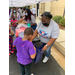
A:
(44, 48)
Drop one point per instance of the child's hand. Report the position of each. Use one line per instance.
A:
(13, 46)
(9, 27)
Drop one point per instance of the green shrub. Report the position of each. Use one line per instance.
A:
(57, 18)
(62, 22)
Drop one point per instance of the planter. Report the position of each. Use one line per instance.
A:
(61, 26)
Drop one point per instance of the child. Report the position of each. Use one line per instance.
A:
(13, 26)
(11, 48)
(25, 51)
(13, 21)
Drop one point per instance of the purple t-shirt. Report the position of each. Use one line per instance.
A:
(24, 50)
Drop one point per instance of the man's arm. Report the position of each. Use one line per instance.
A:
(32, 24)
(54, 36)
(34, 35)
(20, 20)
(50, 42)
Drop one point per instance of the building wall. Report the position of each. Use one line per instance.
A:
(48, 6)
(31, 6)
(41, 8)
(44, 7)
(57, 7)
(54, 7)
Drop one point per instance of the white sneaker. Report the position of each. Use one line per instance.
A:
(32, 74)
(45, 59)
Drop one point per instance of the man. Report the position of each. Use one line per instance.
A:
(33, 10)
(48, 31)
(20, 11)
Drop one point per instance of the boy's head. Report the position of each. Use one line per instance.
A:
(28, 32)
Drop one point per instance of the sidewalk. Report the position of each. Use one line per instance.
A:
(61, 38)
(60, 42)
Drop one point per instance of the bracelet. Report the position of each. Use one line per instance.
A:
(46, 45)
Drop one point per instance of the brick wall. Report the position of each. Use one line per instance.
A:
(57, 7)
(42, 8)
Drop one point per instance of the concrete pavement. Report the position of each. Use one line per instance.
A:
(49, 68)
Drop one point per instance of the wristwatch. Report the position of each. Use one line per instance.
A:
(46, 45)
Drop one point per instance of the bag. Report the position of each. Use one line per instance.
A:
(21, 30)
(39, 54)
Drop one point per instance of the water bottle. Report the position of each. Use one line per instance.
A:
(28, 25)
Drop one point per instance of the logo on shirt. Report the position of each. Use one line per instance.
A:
(43, 33)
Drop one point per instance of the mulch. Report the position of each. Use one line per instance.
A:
(61, 27)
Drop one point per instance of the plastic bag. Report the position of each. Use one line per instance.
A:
(39, 54)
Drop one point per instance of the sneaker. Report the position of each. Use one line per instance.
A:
(45, 59)
(32, 74)
(9, 53)
(12, 51)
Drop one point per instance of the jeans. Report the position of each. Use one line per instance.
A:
(34, 26)
(25, 69)
(13, 29)
(48, 51)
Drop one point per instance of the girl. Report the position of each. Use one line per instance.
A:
(13, 24)
(29, 17)
(11, 48)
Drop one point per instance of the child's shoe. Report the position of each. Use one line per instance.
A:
(12, 51)
(31, 74)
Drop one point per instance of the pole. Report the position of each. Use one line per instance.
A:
(64, 12)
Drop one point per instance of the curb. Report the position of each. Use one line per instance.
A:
(59, 48)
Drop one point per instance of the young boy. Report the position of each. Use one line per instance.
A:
(25, 51)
